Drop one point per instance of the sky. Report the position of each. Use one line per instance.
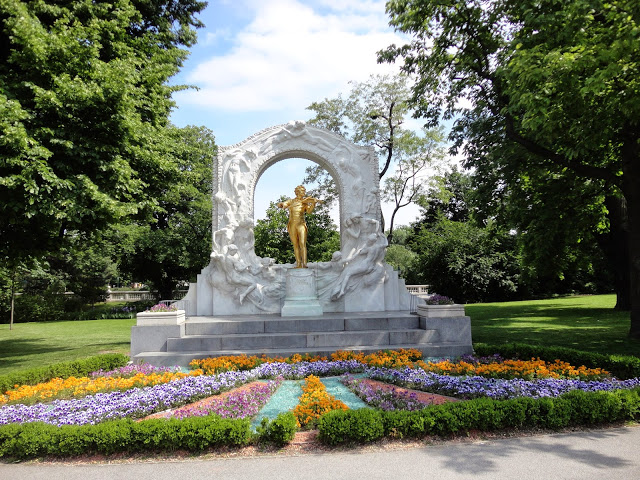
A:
(260, 63)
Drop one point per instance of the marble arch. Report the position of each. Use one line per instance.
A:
(237, 281)
(238, 168)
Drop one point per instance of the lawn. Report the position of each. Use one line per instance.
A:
(582, 322)
(35, 344)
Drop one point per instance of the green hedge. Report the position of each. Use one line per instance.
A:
(280, 431)
(76, 368)
(571, 409)
(32, 440)
(620, 366)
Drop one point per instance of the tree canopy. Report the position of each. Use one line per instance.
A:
(536, 90)
(373, 114)
(174, 245)
(272, 237)
(83, 95)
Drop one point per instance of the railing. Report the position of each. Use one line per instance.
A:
(136, 295)
(418, 289)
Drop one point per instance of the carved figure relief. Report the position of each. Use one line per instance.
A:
(251, 283)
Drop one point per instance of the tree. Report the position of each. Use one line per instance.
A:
(407, 183)
(551, 86)
(272, 237)
(83, 96)
(175, 245)
(373, 114)
(467, 263)
(449, 196)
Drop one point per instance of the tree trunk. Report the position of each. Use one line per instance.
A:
(631, 192)
(615, 246)
(13, 296)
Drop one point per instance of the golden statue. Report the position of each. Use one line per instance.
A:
(297, 227)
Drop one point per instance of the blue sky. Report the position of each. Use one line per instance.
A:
(260, 63)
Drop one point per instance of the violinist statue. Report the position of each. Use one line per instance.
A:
(297, 227)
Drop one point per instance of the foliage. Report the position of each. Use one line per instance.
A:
(84, 96)
(449, 195)
(280, 431)
(536, 90)
(362, 425)
(272, 237)
(373, 115)
(469, 264)
(82, 367)
(402, 259)
(437, 299)
(572, 409)
(32, 440)
(162, 307)
(175, 245)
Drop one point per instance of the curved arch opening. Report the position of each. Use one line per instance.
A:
(276, 182)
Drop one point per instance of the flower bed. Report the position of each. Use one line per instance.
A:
(389, 397)
(59, 388)
(315, 401)
(242, 402)
(416, 412)
(477, 387)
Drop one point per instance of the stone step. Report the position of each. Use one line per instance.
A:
(277, 324)
(336, 340)
(168, 359)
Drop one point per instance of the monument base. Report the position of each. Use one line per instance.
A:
(301, 298)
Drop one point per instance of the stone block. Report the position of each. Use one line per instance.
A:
(153, 338)
(440, 311)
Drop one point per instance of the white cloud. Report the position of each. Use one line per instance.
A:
(291, 54)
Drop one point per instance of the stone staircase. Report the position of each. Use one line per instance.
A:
(274, 335)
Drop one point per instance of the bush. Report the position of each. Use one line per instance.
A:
(44, 307)
(572, 409)
(280, 431)
(340, 426)
(620, 366)
(77, 368)
(32, 440)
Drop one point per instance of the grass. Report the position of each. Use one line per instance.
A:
(36, 344)
(583, 322)
(586, 323)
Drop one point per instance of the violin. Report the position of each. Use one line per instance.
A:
(311, 201)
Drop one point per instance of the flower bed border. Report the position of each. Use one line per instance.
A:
(576, 408)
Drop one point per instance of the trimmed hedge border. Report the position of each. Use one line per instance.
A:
(33, 440)
(77, 368)
(571, 409)
(194, 434)
(621, 366)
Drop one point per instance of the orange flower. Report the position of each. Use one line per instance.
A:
(314, 402)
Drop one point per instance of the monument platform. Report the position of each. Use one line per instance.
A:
(276, 336)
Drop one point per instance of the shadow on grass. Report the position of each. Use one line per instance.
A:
(12, 350)
(596, 329)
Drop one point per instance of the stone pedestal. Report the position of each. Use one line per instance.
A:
(441, 311)
(301, 298)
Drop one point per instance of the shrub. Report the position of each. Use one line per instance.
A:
(76, 368)
(32, 440)
(341, 426)
(280, 431)
(573, 408)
